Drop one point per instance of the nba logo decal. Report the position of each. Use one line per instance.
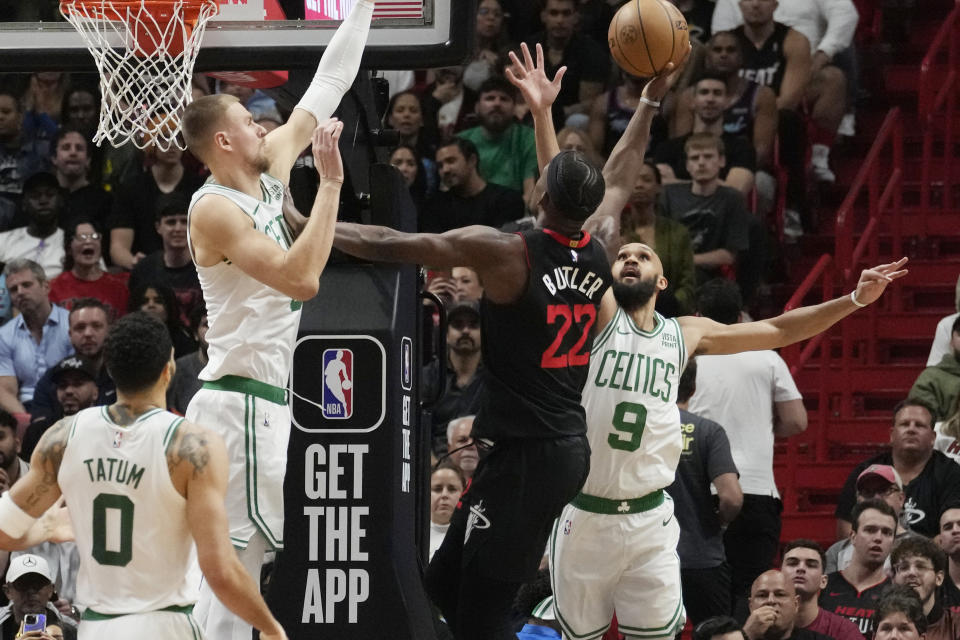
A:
(567, 526)
(337, 384)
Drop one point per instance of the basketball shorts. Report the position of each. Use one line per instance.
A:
(152, 625)
(505, 517)
(601, 563)
(256, 432)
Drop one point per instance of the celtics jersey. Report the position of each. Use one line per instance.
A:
(630, 399)
(252, 327)
(136, 550)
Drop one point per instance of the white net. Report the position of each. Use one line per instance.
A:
(145, 52)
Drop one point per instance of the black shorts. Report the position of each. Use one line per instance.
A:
(505, 517)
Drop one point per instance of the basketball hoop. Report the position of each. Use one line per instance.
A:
(145, 51)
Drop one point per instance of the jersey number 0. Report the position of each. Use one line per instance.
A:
(123, 506)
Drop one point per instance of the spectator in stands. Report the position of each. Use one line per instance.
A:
(587, 62)
(414, 172)
(446, 485)
(773, 610)
(718, 628)
(89, 321)
(447, 104)
(853, 592)
(71, 162)
(490, 46)
(829, 27)
(570, 138)
(75, 380)
(949, 539)
(254, 100)
(29, 585)
(534, 605)
(739, 157)
(405, 115)
(11, 465)
(507, 150)
(461, 448)
(468, 199)
(467, 284)
(899, 615)
(931, 479)
(803, 563)
(939, 385)
(921, 564)
(186, 381)
(641, 221)
(941, 337)
(172, 265)
(611, 112)
(18, 159)
(750, 109)
(41, 240)
(462, 365)
(705, 460)
(83, 276)
(80, 110)
(269, 119)
(45, 94)
(754, 397)
(948, 432)
(33, 341)
(160, 301)
(879, 481)
(133, 233)
(715, 215)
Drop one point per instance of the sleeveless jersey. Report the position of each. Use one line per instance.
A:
(630, 399)
(767, 64)
(252, 327)
(738, 118)
(136, 551)
(536, 350)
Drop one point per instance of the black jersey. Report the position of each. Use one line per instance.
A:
(536, 351)
(738, 118)
(767, 64)
(842, 598)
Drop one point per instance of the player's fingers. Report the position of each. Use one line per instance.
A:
(560, 73)
(527, 60)
(539, 56)
(516, 66)
(508, 72)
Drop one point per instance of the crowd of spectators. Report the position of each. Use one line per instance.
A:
(88, 234)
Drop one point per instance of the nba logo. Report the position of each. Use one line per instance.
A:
(337, 384)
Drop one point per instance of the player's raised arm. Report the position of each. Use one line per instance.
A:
(21, 508)
(295, 272)
(539, 92)
(626, 158)
(335, 74)
(197, 459)
(704, 336)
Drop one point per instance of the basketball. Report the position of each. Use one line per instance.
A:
(347, 385)
(645, 35)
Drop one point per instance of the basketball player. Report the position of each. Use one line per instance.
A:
(254, 276)
(142, 486)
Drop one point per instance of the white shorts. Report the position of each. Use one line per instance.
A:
(628, 564)
(256, 432)
(153, 625)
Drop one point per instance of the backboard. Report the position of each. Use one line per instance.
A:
(259, 34)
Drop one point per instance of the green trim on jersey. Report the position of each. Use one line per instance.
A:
(612, 506)
(90, 614)
(253, 504)
(250, 387)
(171, 431)
(668, 630)
(143, 416)
(607, 331)
(73, 428)
(658, 327)
(681, 345)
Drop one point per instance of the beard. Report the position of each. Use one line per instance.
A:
(633, 296)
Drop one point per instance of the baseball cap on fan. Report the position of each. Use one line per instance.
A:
(879, 473)
(25, 564)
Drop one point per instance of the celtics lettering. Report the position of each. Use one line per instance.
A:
(636, 372)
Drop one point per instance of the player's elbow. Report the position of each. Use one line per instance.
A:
(219, 570)
(304, 289)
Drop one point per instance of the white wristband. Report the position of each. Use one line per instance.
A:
(853, 299)
(14, 521)
(652, 103)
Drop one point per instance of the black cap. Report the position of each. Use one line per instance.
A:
(40, 179)
(456, 309)
(74, 363)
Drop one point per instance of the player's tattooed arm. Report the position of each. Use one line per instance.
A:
(44, 467)
(190, 449)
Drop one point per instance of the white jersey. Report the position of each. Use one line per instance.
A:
(630, 399)
(252, 327)
(136, 550)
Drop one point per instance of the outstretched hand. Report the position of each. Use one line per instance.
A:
(326, 150)
(660, 84)
(538, 91)
(56, 523)
(874, 281)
